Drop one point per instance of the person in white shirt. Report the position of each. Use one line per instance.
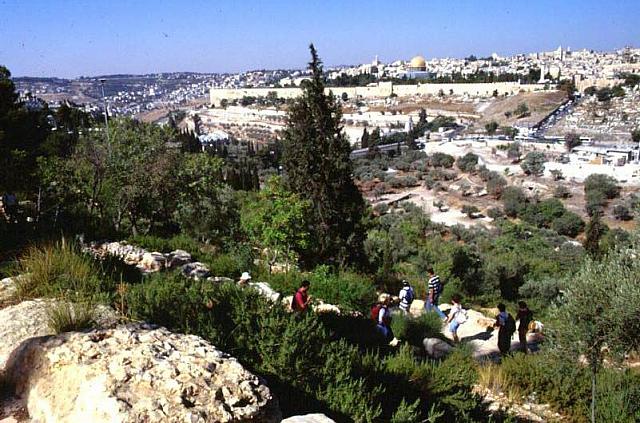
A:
(456, 317)
(406, 296)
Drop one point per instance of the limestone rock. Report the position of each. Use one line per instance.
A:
(152, 262)
(135, 373)
(20, 322)
(195, 270)
(30, 318)
(7, 289)
(308, 418)
(219, 279)
(325, 308)
(178, 258)
(436, 348)
(265, 290)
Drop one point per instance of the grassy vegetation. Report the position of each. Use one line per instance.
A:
(67, 317)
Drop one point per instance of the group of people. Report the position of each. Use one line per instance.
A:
(506, 325)
(381, 313)
(505, 322)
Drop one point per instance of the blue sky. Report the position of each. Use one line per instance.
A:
(75, 37)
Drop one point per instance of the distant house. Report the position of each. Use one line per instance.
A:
(613, 155)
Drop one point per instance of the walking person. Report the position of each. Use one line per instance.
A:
(406, 296)
(507, 326)
(434, 289)
(301, 299)
(525, 317)
(457, 316)
(382, 316)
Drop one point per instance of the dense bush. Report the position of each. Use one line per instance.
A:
(569, 224)
(514, 200)
(415, 329)
(566, 386)
(438, 159)
(468, 162)
(533, 163)
(496, 184)
(603, 183)
(561, 191)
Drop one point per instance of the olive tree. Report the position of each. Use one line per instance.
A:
(599, 316)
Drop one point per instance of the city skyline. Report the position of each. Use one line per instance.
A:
(68, 40)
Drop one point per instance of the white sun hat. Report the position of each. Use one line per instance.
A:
(245, 276)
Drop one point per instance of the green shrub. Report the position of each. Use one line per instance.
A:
(228, 265)
(468, 162)
(166, 245)
(406, 413)
(606, 184)
(415, 329)
(350, 291)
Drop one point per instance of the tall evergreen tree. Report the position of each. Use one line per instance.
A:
(318, 168)
(364, 141)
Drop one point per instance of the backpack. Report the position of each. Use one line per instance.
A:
(461, 317)
(409, 295)
(510, 325)
(375, 312)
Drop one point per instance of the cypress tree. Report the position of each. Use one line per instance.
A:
(318, 168)
(364, 141)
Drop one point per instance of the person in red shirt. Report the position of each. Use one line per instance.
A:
(301, 299)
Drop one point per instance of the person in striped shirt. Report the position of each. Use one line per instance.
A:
(434, 289)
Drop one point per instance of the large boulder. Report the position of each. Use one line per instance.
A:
(7, 289)
(195, 270)
(152, 262)
(436, 348)
(178, 258)
(135, 373)
(265, 290)
(20, 322)
(309, 418)
(27, 319)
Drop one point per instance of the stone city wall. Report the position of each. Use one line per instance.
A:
(382, 89)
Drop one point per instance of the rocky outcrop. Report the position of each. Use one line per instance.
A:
(309, 418)
(195, 270)
(7, 289)
(436, 348)
(31, 318)
(135, 373)
(265, 290)
(149, 261)
(20, 322)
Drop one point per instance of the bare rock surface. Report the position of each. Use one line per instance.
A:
(135, 373)
(308, 418)
(20, 322)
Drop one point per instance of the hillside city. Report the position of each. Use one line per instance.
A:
(414, 239)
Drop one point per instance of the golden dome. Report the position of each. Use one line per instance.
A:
(418, 62)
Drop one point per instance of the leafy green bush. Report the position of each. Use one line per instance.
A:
(468, 162)
(350, 291)
(514, 200)
(438, 159)
(566, 386)
(415, 329)
(228, 265)
(606, 184)
(166, 245)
